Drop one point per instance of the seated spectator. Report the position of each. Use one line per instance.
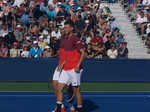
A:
(79, 23)
(56, 34)
(76, 5)
(46, 36)
(148, 15)
(50, 12)
(37, 13)
(44, 6)
(9, 39)
(96, 39)
(112, 53)
(86, 38)
(44, 23)
(106, 33)
(25, 52)
(109, 42)
(61, 14)
(120, 38)
(100, 51)
(66, 5)
(4, 31)
(101, 6)
(89, 51)
(116, 31)
(33, 27)
(141, 23)
(14, 52)
(123, 51)
(148, 29)
(51, 26)
(17, 2)
(87, 26)
(25, 17)
(10, 22)
(27, 42)
(19, 35)
(54, 45)
(106, 10)
(71, 9)
(35, 51)
(112, 23)
(79, 12)
(47, 53)
(3, 50)
(41, 42)
(74, 16)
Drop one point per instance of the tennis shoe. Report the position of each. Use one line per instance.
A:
(62, 109)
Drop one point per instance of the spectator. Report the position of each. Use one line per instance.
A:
(101, 6)
(112, 53)
(71, 9)
(74, 16)
(96, 39)
(79, 12)
(51, 26)
(44, 6)
(47, 52)
(18, 2)
(19, 35)
(3, 50)
(5, 8)
(51, 13)
(9, 39)
(10, 22)
(4, 31)
(54, 45)
(89, 51)
(106, 33)
(112, 23)
(86, 38)
(116, 31)
(109, 42)
(76, 5)
(25, 52)
(100, 51)
(87, 26)
(120, 38)
(123, 51)
(41, 42)
(37, 13)
(148, 29)
(61, 15)
(35, 51)
(56, 34)
(27, 42)
(106, 10)
(25, 17)
(66, 5)
(79, 23)
(15, 52)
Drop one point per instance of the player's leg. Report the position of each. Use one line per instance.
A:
(63, 79)
(75, 81)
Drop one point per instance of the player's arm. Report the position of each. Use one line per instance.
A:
(81, 59)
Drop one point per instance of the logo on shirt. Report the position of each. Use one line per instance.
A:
(78, 42)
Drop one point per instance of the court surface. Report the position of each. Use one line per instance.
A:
(92, 101)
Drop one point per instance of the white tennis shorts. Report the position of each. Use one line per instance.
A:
(70, 76)
(56, 74)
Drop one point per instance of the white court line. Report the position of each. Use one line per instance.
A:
(83, 96)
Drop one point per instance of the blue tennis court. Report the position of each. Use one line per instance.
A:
(92, 101)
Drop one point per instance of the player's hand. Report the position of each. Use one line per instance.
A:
(59, 68)
(76, 69)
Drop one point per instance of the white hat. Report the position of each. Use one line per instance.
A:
(28, 38)
(87, 21)
(35, 42)
(148, 24)
(47, 47)
(62, 25)
(88, 12)
(19, 26)
(41, 37)
(51, 22)
(59, 3)
(4, 1)
(79, 8)
(98, 0)
(86, 0)
(72, 5)
(106, 6)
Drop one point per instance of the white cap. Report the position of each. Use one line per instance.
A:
(28, 38)
(19, 26)
(87, 21)
(47, 47)
(59, 3)
(35, 42)
(106, 6)
(72, 5)
(148, 24)
(98, 0)
(41, 37)
(86, 0)
(4, 1)
(79, 8)
(62, 25)
(51, 22)
(88, 12)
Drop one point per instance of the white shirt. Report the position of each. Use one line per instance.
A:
(88, 40)
(146, 2)
(112, 54)
(18, 2)
(25, 54)
(141, 20)
(54, 34)
(101, 6)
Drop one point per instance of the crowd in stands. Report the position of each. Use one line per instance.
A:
(138, 12)
(34, 28)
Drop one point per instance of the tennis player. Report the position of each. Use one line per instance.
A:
(58, 72)
(74, 55)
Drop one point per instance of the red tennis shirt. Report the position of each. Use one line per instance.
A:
(72, 54)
